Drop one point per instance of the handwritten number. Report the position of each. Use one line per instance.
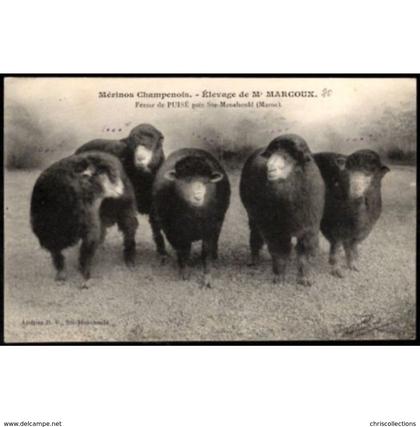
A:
(326, 93)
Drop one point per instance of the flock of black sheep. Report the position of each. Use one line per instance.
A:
(287, 191)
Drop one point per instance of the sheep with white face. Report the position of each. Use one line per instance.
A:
(353, 202)
(191, 194)
(141, 154)
(283, 193)
(77, 198)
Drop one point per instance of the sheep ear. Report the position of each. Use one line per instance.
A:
(170, 175)
(89, 171)
(301, 157)
(306, 157)
(266, 154)
(216, 177)
(299, 151)
(340, 162)
(385, 170)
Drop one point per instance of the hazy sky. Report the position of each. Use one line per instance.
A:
(73, 103)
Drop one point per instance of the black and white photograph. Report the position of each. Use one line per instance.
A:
(209, 209)
(209, 214)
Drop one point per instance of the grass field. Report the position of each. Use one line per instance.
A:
(151, 304)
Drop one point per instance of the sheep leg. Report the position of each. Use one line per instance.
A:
(127, 223)
(256, 242)
(103, 233)
(280, 252)
(206, 248)
(355, 251)
(87, 252)
(279, 262)
(303, 270)
(306, 246)
(183, 254)
(350, 249)
(157, 236)
(59, 264)
(333, 259)
(214, 250)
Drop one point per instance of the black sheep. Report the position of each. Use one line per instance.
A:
(283, 192)
(353, 201)
(141, 154)
(191, 195)
(77, 198)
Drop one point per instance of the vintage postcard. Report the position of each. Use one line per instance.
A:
(207, 209)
